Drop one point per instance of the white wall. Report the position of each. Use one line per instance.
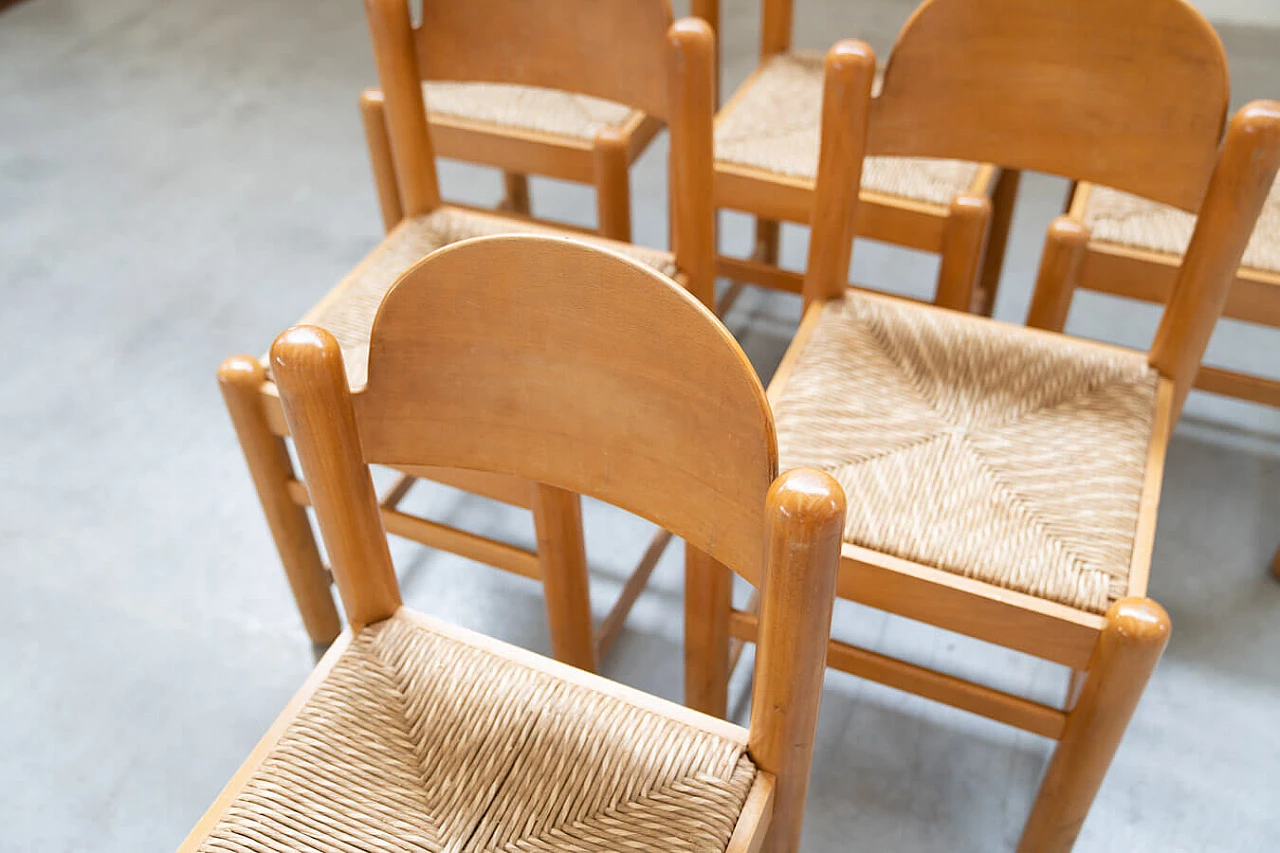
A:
(1260, 12)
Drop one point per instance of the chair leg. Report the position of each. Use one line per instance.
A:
(963, 238)
(1003, 200)
(557, 518)
(768, 242)
(1064, 246)
(373, 114)
(516, 193)
(613, 185)
(1126, 653)
(241, 379)
(708, 599)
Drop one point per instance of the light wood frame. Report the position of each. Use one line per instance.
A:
(447, 40)
(680, 92)
(967, 97)
(558, 363)
(969, 234)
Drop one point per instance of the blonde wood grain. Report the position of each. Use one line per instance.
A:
(406, 114)
(1135, 636)
(241, 379)
(611, 50)
(970, 81)
(692, 96)
(637, 420)
(613, 193)
(482, 549)
(509, 490)
(557, 517)
(1144, 536)
(708, 600)
(1055, 281)
(1237, 191)
(846, 93)
(757, 812)
(963, 243)
(307, 366)
(373, 117)
(956, 692)
(804, 520)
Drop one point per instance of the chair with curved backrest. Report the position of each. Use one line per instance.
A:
(587, 373)
(1005, 480)
(523, 129)
(767, 161)
(660, 67)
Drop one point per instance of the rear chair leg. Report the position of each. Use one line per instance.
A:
(241, 379)
(1002, 203)
(516, 197)
(613, 185)
(1128, 648)
(963, 238)
(557, 518)
(708, 599)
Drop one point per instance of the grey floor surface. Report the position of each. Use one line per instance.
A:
(179, 181)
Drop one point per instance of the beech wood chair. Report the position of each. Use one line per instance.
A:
(1114, 242)
(666, 70)
(588, 373)
(766, 141)
(534, 129)
(1004, 481)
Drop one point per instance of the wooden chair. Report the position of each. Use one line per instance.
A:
(662, 68)
(1115, 242)
(559, 132)
(588, 373)
(767, 161)
(1004, 481)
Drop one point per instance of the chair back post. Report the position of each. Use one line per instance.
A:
(1237, 191)
(846, 106)
(804, 522)
(395, 57)
(691, 73)
(775, 27)
(306, 364)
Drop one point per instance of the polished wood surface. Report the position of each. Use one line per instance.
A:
(479, 358)
(805, 519)
(373, 118)
(557, 518)
(1127, 652)
(968, 80)
(691, 53)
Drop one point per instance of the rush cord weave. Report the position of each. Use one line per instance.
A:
(348, 310)
(526, 107)
(991, 451)
(1129, 220)
(776, 126)
(420, 742)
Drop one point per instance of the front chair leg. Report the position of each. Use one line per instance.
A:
(768, 242)
(557, 519)
(708, 599)
(613, 184)
(1126, 653)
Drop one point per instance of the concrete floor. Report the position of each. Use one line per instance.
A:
(178, 182)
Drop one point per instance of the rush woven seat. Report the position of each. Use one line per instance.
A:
(992, 451)
(348, 310)
(775, 126)
(527, 108)
(419, 740)
(1129, 220)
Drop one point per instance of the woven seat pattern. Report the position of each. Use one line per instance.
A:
(418, 741)
(348, 310)
(1129, 220)
(526, 107)
(775, 126)
(991, 451)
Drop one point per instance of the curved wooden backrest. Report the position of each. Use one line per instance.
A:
(572, 366)
(612, 49)
(1132, 94)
